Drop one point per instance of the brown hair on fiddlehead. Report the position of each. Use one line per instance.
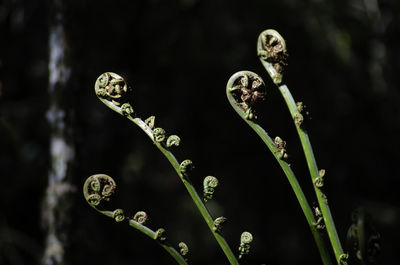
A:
(302, 115)
(209, 185)
(281, 148)
(273, 49)
(298, 119)
(98, 188)
(245, 239)
(248, 89)
(302, 108)
(112, 87)
(140, 217)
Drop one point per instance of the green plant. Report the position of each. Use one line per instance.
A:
(113, 91)
(245, 90)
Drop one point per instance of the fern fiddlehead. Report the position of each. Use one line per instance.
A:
(183, 249)
(218, 224)
(113, 91)
(210, 183)
(244, 248)
(277, 148)
(140, 217)
(248, 89)
(111, 86)
(271, 49)
(98, 189)
(173, 141)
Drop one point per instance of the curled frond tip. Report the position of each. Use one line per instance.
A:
(245, 239)
(209, 185)
(272, 47)
(248, 89)
(113, 91)
(98, 188)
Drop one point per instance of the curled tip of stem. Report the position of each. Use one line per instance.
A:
(185, 167)
(173, 140)
(98, 188)
(271, 48)
(273, 43)
(159, 135)
(160, 235)
(113, 91)
(183, 248)
(112, 87)
(245, 239)
(247, 89)
(140, 217)
(219, 223)
(209, 185)
(118, 215)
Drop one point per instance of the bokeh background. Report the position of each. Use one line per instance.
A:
(178, 55)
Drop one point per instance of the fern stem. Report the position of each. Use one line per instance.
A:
(323, 250)
(192, 191)
(150, 233)
(271, 49)
(314, 172)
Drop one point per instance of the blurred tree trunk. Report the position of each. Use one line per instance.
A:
(56, 203)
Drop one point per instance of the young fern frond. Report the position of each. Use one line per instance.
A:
(271, 49)
(99, 188)
(234, 94)
(245, 239)
(113, 91)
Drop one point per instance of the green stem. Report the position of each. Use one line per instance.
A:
(150, 233)
(312, 165)
(323, 250)
(193, 194)
(192, 191)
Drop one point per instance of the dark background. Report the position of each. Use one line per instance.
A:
(178, 55)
